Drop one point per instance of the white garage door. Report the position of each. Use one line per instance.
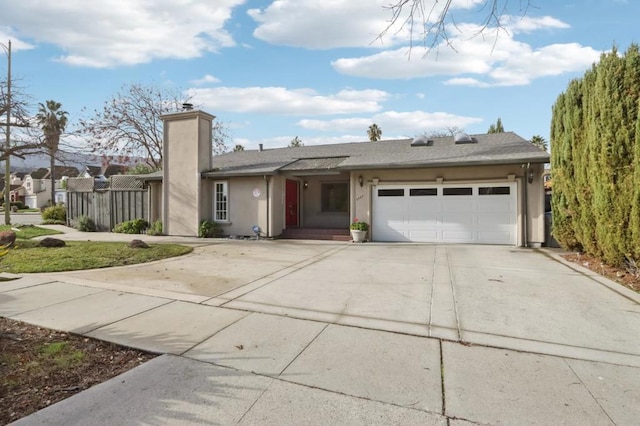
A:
(453, 213)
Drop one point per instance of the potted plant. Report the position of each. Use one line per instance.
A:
(358, 230)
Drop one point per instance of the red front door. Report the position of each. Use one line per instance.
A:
(291, 204)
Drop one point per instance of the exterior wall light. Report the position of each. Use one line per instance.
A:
(530, 176)
(305, 184)
(361, 181)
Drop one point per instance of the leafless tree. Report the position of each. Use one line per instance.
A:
(444, 132)
(129, 123)
(429, 19)
(25, 138)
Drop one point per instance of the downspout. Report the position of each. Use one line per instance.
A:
(525, 182)
(267, 180)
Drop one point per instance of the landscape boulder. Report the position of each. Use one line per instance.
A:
(7, 238)
(51, 242)
(138, 244)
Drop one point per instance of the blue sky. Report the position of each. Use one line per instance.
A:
(273, 70)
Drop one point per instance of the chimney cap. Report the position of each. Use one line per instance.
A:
(187, 106)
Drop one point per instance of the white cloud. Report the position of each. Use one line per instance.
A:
(493, 59)
(472, 82)
(112, 33)
(392, 122)
(527, 24)
(331, 24)
(208, 78)
(280, 100)
(16, 43)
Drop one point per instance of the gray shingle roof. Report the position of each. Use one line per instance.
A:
(493, 148)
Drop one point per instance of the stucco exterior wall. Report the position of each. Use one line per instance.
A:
(186, 154)
(276, 205)
(247, 205)
(362, 196)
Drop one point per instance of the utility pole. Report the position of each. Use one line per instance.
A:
(7, 164)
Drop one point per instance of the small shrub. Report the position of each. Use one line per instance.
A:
(18, 204)
(155, 228)
(55, 213)
(135, 226)
(209, 229)
(86, 224)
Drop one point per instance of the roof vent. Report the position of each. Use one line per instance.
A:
(462, 138)
(187, 106)
(421, 141)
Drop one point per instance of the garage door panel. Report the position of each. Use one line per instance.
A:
(497, 218)
(459, 236)
(456, 204)
(495, 204)
(423, 236)
(425, 214)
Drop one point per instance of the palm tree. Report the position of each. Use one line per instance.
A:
(238, 147)
(374, 133)
(540, 142)
(52, 121)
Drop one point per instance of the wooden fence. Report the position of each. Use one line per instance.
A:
(118, 200)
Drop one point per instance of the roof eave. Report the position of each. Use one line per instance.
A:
(435, 164)
(222, 174)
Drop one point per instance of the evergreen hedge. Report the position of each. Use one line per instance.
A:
(595, 160)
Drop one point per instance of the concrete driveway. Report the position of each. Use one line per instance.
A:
(491, 295)
(411, 334)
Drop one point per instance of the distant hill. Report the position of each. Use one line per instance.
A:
(71, 159)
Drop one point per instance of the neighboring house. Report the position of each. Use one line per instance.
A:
(37, 186)
(91, 171)
(484, 189)
(15, 193)
(102, 174)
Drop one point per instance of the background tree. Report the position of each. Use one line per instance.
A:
(52, 120)
(444, 132)
(428, 19)
(129, 123)
(140, 169)
(540, 142)
(374, 133)
(496, 128)
(295, 142)
(238, 147)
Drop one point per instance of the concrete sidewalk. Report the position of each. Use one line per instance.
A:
(290, 333)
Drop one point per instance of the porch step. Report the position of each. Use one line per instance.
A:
(316, 234)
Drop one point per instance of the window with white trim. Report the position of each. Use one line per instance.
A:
(221, 201)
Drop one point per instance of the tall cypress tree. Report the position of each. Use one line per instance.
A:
(596, 159)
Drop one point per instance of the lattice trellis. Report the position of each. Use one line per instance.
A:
(80, 184)
(124, 182)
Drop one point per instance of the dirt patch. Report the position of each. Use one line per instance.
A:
(39, 367)
(625, 277)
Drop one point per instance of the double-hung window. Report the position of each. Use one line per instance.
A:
(221, 201)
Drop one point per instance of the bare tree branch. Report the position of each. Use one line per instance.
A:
(129, 123)
(428, 20)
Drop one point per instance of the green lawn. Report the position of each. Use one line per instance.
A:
(25, 232)
(28, 257)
